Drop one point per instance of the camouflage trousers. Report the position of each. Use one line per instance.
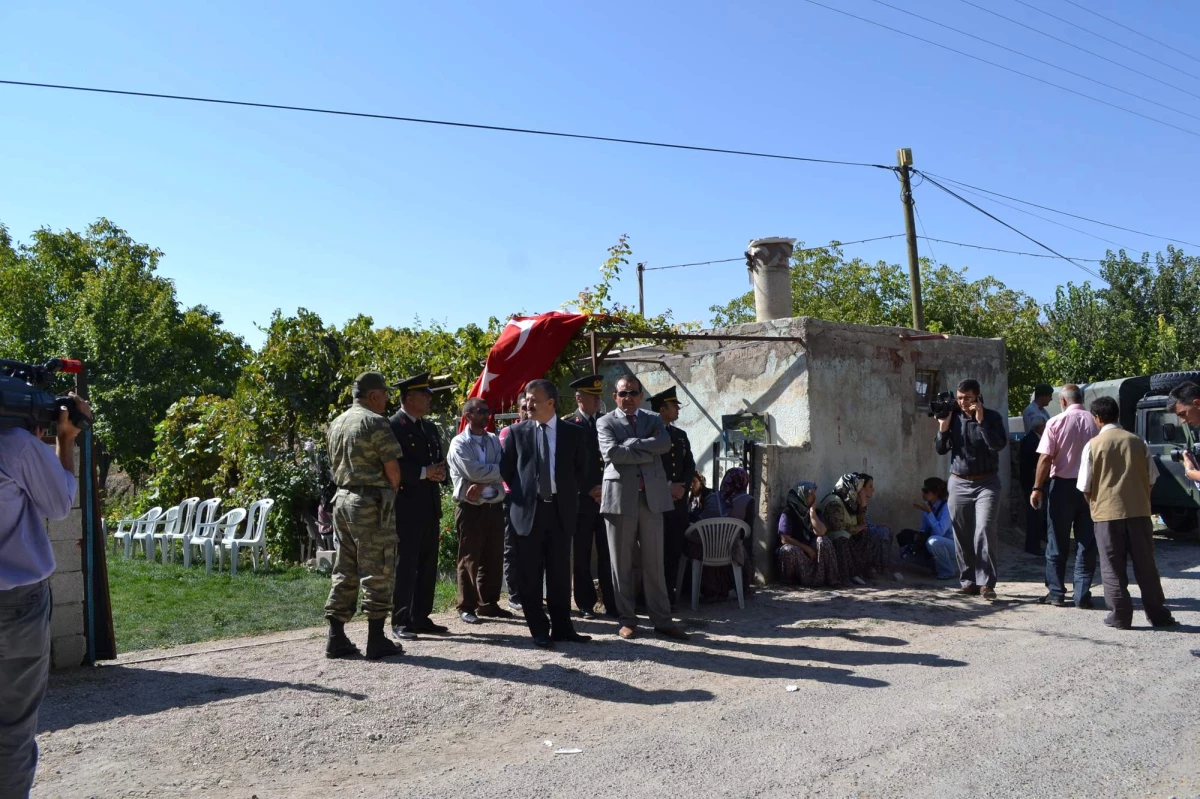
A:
(364, 528)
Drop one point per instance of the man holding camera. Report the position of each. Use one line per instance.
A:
(34, 485)
(1184, 402)
(973, 436)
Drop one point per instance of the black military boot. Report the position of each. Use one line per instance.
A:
(338, 645)
(378, 644)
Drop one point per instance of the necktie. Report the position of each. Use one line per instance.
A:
(544, 490)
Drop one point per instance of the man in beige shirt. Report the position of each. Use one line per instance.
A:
(1115, 474)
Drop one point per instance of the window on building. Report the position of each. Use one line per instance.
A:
(926, 387)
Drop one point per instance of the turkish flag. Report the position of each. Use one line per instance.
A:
(526, 348)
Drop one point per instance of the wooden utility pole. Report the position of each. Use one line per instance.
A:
(904, 161)
(641, 271)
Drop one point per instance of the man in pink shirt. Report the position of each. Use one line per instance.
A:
(1061, 450)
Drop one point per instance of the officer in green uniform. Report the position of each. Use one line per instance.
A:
(680, 465)
(418, 510)
(363, 456)
(590, 528)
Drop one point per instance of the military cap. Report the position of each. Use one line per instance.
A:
(591, 384)
(663, 397)
(415, 383)
(369, 381)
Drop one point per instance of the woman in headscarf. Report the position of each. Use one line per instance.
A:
(806, 554)
(878, 537)
(839, 510)
(731, 501)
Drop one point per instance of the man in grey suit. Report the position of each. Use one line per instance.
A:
(634, 497)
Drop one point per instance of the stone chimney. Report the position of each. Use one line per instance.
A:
(769, 261)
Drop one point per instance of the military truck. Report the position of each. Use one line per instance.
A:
(1143, 404)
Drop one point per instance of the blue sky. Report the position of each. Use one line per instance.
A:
(258, 210)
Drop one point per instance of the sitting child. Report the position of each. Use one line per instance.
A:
(933, 544)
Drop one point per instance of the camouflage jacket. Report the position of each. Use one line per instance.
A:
(360, 442)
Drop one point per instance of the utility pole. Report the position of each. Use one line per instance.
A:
(904, 161)
(641, 271)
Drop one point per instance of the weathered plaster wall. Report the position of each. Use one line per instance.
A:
(68, 644)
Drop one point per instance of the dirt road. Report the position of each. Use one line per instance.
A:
(903, 689)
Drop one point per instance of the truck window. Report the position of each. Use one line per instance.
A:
(1154, 425)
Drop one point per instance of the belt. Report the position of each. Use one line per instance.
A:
(983, 476)
(548, 501)
(363, 490)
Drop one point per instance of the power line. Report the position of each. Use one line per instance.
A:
(1005, 68)
(441, 122)
(1131, 30)
(921, 222)
(995, 218)
(1063, 213)
(1008, 252)
(833, 244)
(1035, 59)
(1079, 48)
(1105, 38)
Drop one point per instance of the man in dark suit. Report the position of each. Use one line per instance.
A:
(544, 463)
(418, 510)
(590, 530)
(1035, 518)
(680, 466)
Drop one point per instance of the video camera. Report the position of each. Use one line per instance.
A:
(943, 405)
(25, 403)
(1177, 453)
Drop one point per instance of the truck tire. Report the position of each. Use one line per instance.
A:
(1179, 520)
(1163, 383)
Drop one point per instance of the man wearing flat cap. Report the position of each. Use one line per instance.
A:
(590, 530)
(680, 466)
(418, 510)
(363, 456)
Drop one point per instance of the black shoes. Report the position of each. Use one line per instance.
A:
(587, 614)
(1111, 621)
(338, 645)
(543, 641)
(1086, 603)
(1055, 600)
(469, 617)
(571, 637)
(1169, 621)
(429, 627)
(406, 633)
(494, 612)
(378, 645)
(672, 632)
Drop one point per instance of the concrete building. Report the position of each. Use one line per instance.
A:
(825, 399)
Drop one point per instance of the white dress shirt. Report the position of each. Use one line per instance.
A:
(1085, 463)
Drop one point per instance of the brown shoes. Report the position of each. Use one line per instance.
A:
(672, 632)
(970, 590)
(627, 632)
(989, 593)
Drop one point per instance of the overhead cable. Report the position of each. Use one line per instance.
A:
(441, 122)
(1035, 59)
(1131, 30)
(1081, 49)
(1008, 252)
(995, 218)
(833, 244)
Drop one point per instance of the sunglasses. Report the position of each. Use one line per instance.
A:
(484, 411)
(628, 393)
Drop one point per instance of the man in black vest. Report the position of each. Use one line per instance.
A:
(418, 510)
(543, 463)
(680, 466)
(590, 529)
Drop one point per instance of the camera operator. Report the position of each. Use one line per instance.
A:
(1184, 402)
(34, 485)
(974, 436)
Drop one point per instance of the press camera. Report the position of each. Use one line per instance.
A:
(24, 401)
(943, 405)
(1177, 453)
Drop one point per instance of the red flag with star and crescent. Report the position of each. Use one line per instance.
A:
(526, 348)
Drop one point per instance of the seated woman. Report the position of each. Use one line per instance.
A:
(731, 502)
(806, 555)
(697, 496)
(878, 537)
(839, 510)
(934, 542)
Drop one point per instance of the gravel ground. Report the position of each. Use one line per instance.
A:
(903, 689)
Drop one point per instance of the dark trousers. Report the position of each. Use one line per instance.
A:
(1132, 540)
(510, 552)
(480, 555)
(24, 669)
(1035, 524)
(1067, 508)
(416, 573)
(544, 553)
(675, 524)
(589, 532)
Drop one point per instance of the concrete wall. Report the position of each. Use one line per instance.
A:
(68, 644)
(842, 399)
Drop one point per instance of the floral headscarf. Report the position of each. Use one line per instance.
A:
(847, 488)
(735, 482)
(798, 502)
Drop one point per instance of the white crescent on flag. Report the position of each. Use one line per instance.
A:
(525, 325)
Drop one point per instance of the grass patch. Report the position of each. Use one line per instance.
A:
(156, 605)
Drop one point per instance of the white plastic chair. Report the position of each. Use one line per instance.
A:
(255, 538)
(717, 537)
(168, 522)
(208, 535)
(124, 533)
(184, 522)
(143, 532)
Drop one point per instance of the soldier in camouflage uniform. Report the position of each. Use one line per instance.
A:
(363, 455)
(680, 466)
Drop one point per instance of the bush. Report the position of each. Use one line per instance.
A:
(448, 540)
